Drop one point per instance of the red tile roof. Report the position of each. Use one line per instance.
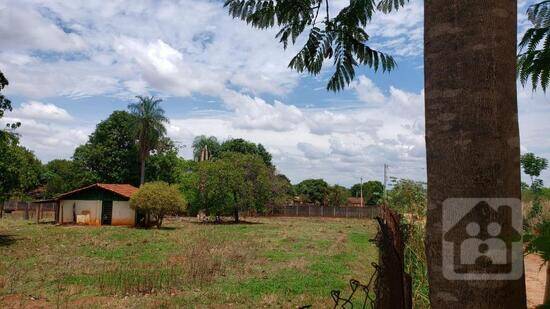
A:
(124, 190)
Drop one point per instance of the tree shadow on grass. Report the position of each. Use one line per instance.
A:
(7, 240)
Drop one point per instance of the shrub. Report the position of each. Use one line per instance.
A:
(156, 200)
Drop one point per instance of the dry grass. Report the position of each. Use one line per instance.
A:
(278, 262)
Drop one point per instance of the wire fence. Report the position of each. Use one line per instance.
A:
(369, 211)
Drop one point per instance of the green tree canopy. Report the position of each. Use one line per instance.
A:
(245, 147)
(65, 175)
(408, 196)
(313, 190)
(20, 170)
(533, 165)
(233, 183)
(338, 196)
(111, 153)
(534, 57)
(158, 199)
(5, 105)
(372, 191)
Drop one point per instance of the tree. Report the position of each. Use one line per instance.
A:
(372, 191)
(282, 191)
(158, 199)
(338, 196)
(533, 165)
(235, 182)
(61, 176)
(534, 57)
(245, 147)
(111, 154)
(150, 128)
(313, 190)
(5, 105)
(203, 142)
(472, 135)
(20, 169)
(408, 197)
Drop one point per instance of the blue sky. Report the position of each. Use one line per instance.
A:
(71, 63)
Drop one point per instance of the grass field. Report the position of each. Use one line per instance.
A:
(270, 262)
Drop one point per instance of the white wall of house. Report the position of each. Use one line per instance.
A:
(123, 214)
(87, 212)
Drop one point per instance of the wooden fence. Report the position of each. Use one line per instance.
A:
(325, 211)
(28, 210)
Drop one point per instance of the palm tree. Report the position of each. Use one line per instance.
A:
(150, 128)
(472, 135)
(534, 61)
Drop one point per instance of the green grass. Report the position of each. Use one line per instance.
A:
(275, 262)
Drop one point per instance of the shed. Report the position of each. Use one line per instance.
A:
(97, 204)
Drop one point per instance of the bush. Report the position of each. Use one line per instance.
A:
(156, 200)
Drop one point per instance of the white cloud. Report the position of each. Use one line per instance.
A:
(42, 111)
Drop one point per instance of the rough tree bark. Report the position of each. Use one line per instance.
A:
(472, 135)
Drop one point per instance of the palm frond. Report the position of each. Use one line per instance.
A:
(341, 38)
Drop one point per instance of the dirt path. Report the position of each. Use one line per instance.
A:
(535, 279)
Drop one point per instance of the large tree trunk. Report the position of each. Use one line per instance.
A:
(142, 172)
(472, 135)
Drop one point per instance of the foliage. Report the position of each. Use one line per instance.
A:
(5, 105)
(149, 130)
(533, 165)
(313, 190)
(20, 170)
(158, 199)
(234, 183)
(539, 241)
(372, 191)
(111, 153)
(164, 166)
(202, 141)
(281, 189)
(408, 197)
(245, 147)
(338, 196)
(534, 57)
(341, 38)
(65, 175)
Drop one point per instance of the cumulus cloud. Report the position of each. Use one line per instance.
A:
(41, 111)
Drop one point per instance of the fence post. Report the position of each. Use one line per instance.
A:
(26, 211)
(333, 211)
(322, 210)
(346, 211)
(37, 213)
(296, 211)
(309, 210)
(2, 209)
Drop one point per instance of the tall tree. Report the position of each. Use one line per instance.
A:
(5, 105)
(534, 57)
(372, 191)
(150, 120)
(111, 154)
(472, 134)
(65, 175)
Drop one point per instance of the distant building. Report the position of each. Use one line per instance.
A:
(97, 204)
(355, 202)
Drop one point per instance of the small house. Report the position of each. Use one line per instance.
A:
(97, 204)
(355, 202)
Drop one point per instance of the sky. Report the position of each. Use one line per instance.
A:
(72, 63)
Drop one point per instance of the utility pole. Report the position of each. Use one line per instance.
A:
(385, 179)
(362, 192)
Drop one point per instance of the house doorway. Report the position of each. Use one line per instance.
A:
(106, 212)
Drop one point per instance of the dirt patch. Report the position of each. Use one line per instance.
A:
(535, 280)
